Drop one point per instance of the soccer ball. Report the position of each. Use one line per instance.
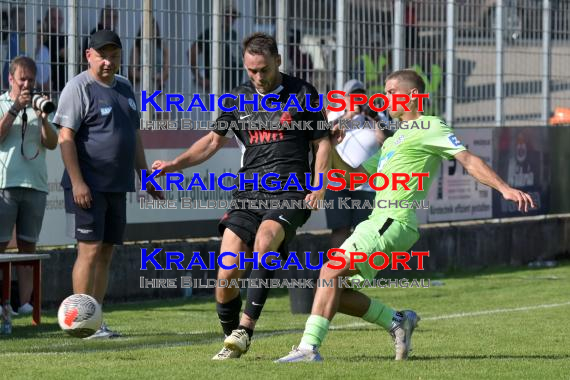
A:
(80, 315)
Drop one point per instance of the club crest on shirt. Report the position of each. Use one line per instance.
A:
(454, 140)
(106, 110)
(399, 140)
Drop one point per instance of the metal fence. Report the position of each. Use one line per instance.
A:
(486, 63)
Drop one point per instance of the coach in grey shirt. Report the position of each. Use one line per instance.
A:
(100, 146)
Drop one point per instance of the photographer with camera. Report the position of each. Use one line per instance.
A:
(25, 134)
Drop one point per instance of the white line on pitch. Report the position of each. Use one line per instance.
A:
(466, 314)
(137, 345)
(495, 311)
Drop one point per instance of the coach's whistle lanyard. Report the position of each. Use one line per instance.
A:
(24, 127)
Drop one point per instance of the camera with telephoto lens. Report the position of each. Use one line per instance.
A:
(42, 104)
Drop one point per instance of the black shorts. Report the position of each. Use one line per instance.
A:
(245, 222)
(104, 221)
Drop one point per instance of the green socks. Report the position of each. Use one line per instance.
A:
(379, 314)
(316, 329)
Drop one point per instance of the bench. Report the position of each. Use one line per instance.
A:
(33, 260)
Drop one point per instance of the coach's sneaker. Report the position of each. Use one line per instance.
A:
(238, 341)
(300, 355)
(12, 312)
(402, 332)
(25, 309)
(226, 354)
(103, 333)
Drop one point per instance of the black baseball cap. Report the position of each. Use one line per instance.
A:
(104, 38)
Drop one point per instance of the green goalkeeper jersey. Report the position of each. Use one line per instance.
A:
(416, 147)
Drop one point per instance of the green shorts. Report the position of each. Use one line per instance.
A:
(378, 234)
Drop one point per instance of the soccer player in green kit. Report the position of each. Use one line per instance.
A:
(409, 151)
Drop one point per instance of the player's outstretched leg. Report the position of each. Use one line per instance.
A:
(228, 313)
(399, 324)
(325, 306)
(329, 299)
(228, 300)
(394, 236)
(269, 237)
(240, 338)
(316, 329)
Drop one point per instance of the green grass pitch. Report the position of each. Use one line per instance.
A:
(502, 324)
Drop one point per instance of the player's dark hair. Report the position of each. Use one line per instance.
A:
(22, 61)
(260, 44)
(410, 76)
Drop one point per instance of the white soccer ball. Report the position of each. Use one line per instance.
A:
(80, 315)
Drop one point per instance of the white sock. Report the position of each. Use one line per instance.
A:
(306, 347)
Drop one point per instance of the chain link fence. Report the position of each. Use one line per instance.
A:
(485, 62)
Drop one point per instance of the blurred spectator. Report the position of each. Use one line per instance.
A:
(4, 40)
(358, 145)
(159, 62)
(108, 20)
(301, 64)
(51, 52)
(4, 29)
(24, 136)
(43, 60)
(411, 29)
(232, 70)
(56, 44)
(16, 40)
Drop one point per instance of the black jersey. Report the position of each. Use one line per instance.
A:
(268, 148)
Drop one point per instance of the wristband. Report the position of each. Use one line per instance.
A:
(13, 112)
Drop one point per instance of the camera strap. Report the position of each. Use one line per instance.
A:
(24, 127)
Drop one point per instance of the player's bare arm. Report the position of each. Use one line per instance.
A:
(322, 165)
(199, 152)
(476, 167)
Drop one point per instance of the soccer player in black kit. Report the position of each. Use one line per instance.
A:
(283, 152)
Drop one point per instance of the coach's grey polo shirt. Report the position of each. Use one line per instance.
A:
(105, 120)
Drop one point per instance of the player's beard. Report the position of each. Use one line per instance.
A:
(264, 87)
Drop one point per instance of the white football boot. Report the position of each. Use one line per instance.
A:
(402, 333)
(235, 345)
(300, 355)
